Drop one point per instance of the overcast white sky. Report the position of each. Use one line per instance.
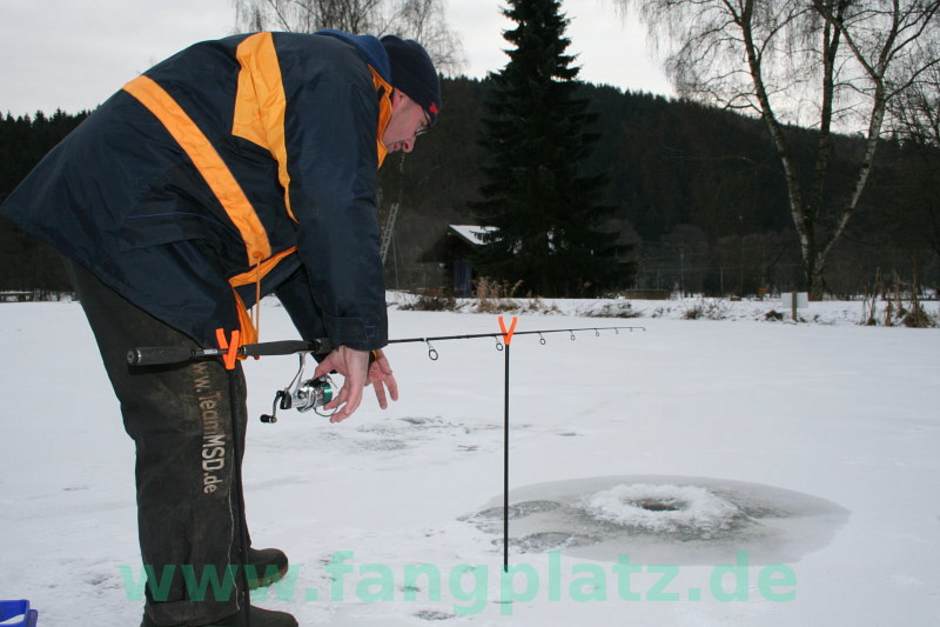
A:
(72, 54)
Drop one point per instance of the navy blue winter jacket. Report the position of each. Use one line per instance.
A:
(239, 166)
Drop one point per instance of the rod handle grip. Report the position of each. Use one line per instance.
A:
(159, 355)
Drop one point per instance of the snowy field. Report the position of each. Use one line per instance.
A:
(809, 452)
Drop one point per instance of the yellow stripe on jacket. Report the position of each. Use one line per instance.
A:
(261, 105)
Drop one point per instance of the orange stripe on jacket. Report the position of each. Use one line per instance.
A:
(208, 162)
(385, 112)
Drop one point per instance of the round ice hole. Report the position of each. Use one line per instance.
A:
(659, 505)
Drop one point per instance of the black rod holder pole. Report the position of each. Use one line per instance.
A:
(506, 467)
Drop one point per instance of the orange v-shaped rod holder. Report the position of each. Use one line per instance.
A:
(229, 346)
(507, 335)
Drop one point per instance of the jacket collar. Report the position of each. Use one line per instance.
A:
(369, 47)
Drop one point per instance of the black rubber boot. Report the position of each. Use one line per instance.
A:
(257, 616)
(265, 566)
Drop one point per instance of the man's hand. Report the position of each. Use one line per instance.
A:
(381, 377)
(354, 366)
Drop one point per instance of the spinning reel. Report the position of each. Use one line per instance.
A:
(302, 395)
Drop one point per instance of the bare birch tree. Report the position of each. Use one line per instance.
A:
(422, 20)
(824, 63)
(916, 120)
(915, 113)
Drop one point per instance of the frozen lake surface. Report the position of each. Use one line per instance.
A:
(808, 451)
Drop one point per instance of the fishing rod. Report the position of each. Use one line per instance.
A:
(169, 355)
(313, 393)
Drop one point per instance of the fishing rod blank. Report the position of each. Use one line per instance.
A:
(167, 355)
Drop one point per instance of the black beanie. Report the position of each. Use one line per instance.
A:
(413, 73)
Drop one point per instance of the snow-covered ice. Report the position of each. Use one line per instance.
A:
(836, 425)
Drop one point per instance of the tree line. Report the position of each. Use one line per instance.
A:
(25, 264)
(698, 188)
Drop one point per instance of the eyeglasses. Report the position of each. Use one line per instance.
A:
(424, 128)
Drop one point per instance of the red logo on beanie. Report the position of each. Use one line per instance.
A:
(433, 108)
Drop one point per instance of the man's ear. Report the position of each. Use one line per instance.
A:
(398, 99)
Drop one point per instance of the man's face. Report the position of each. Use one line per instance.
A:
(407, 122)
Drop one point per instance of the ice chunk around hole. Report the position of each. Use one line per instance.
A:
(663, 508)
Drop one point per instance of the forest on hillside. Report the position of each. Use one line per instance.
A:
(699, 190)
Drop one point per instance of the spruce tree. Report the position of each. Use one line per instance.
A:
(535, 134)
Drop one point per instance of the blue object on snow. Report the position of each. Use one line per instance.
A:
(16, 609)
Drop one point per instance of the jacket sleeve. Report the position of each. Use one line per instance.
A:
(330, 121)
(295, 296)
